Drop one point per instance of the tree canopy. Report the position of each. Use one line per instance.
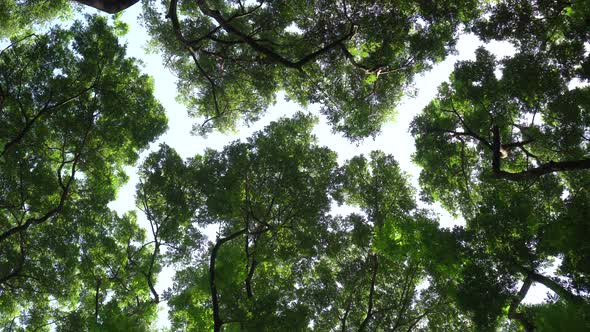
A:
(254, 232)
(75, 111)
(232, 57)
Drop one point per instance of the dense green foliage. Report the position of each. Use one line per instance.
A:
(231, 58)
(280, 260)
(20, 17)
(75, 111)
(505, 145)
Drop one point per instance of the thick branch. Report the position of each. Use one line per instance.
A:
(217, 322)
(45, 110)
(514, 314)
(371, 294)
(550, 167)
(155, 230)
(249, 278)
(274, 56)
(562, 292)
(547, 168)
(557, 288)
(149, 274)
(251, 261)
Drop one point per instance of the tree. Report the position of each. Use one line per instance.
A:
(526, 125)
(19, 17)
(517, 118)
(279, 260)
(355, 58)
(382, 265)
(268, 197)
(514, 232)
(75, 111)
(505, 145)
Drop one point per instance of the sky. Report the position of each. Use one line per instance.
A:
(394, 138)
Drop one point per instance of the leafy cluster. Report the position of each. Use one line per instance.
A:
(252, 231)
(74, 112)
(232, 57)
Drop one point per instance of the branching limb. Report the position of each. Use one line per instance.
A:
(269, 53)
(51, 213)
(546, 168)
(369, 314)
(217, 322)
(45, 110)
(514, 314)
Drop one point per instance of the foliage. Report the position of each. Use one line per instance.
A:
(231, 58)
(75, 111)
(505, 145)
(558, 316)
(279, 260)
(20, 17)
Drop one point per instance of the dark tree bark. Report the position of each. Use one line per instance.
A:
(532, 173)
(371, 294)
(109, 6)
(217, 322)
(514, 314)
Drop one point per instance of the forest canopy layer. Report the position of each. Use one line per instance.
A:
(505, 145)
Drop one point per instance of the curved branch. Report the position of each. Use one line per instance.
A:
(173, 16)
(17, 42)
(45, 110)
(561, 291)
(371, 293)
(271, 54)
(217, 322)
(248, 281)
(51, 213)
(543, 169)
(513, 314)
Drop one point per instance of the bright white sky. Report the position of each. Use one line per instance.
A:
(394, 139)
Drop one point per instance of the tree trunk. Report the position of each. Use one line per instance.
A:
(109, 6)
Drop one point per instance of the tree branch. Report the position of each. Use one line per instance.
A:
(274, 56)
(17, 42)
(217, 322)
(547, 168)
(173, 16)
(562, 292)
(371, 294)
(513, 313)
(51, 213)
(45, 110)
